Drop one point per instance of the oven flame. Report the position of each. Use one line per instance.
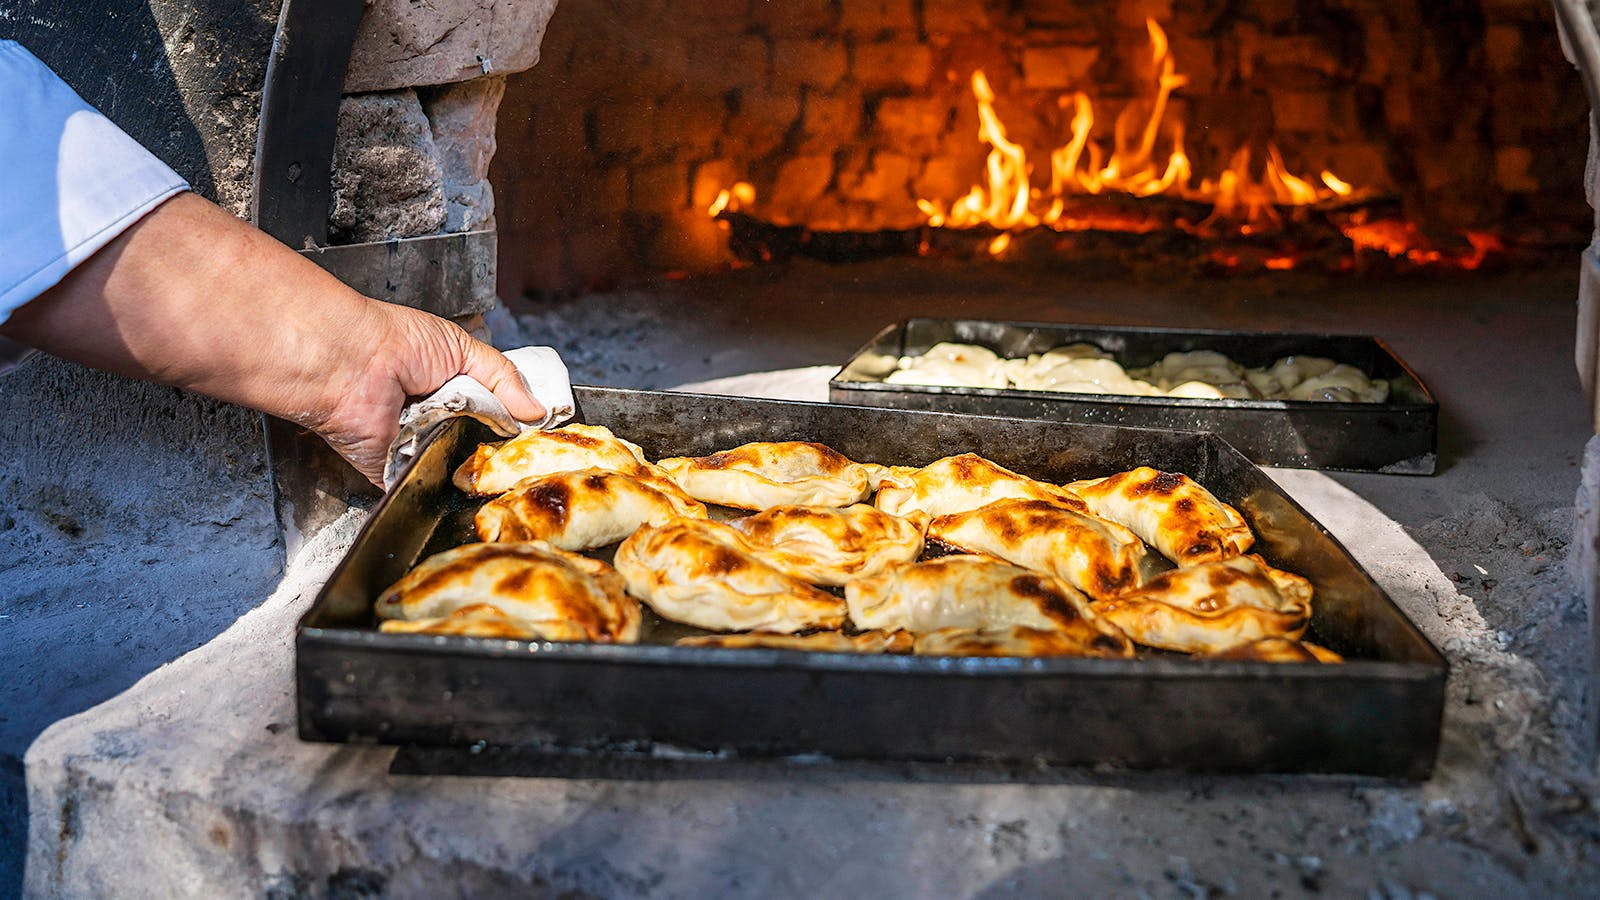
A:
(1259, 209)
(742, 194)
(1242, 201)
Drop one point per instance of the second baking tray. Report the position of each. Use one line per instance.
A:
(1379, 713)
(1397, 436)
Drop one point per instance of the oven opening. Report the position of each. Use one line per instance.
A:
(1195, 138)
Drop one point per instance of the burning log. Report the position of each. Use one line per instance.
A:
(1105, 227)
(755, 240)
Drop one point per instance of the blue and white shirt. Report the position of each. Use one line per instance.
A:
(70, 180)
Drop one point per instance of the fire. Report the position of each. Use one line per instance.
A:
(742, 194)
(1252, 200)
(1007, 200)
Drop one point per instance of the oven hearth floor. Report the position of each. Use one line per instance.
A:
(196, 769)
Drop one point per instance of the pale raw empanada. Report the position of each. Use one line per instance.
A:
(960, 483)
(967, 592)
(817, 642)
(703, 573)
(1213, 607)
(774, 473)
(496, 468)
(1277, 649)
(1021, 640)
(558, 595)
(831, 545)
(1095, 556)
(584, 509)
(952, 365)
(1177, 516)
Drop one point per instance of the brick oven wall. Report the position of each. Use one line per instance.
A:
(843, 112)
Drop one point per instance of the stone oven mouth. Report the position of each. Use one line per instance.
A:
(1221, 139)
(1136, 192)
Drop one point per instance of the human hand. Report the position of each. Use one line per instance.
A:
(408, 354)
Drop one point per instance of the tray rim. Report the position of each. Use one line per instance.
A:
(1180, 667)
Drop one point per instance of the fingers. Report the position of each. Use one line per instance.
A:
(496, 373)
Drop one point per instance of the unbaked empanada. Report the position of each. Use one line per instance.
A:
(703, 573)
(817, 642)
(960, 483)
(496, 468)
(1021, 640)
(774, 473)
(558, 595)
(1213, 607)
(1095, 556)
(1177, 516)
(831, 545)
(952, 365)
(966, 592)
(584, 509)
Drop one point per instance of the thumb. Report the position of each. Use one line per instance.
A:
(491, 369)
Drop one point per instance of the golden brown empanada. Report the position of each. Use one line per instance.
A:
(1095, 556)
(831, 545)
(965, 592)
(774, 473)
(817, 642)
(477, 620)
(496, 468)
(703, 573)
(961, 483)
(1277, 649)
(1177, 516)
(1021, 640)
(584, 509)
(1213, 606)
(558, 595)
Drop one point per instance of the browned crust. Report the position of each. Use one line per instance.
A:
(1021, 640)
(818, 642)
(1278, 649)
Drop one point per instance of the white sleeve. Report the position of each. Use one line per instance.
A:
(70, 180)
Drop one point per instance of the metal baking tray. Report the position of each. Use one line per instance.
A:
(1398, 436)
(1377, 714)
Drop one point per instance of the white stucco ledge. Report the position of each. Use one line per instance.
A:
(193, 783)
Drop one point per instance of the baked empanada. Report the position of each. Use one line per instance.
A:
(1095, 556)
(584, 509)
(1276, 649)
(774, 473)
(1213, 607)
(1177, 516)
(703, 573)
(960, 483)
(817, 642)
(1021, 640)
(477, 620)
(559, 596)
(496, 468)
(831, 545)
(966, 592)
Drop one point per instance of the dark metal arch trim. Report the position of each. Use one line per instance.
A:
(300, 119)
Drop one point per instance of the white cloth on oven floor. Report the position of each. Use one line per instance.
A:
(545, 376)
(228, 798)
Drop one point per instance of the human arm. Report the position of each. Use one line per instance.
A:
(191, 296)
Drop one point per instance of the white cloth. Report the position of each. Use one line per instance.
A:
(545, 376)
(70, 180)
